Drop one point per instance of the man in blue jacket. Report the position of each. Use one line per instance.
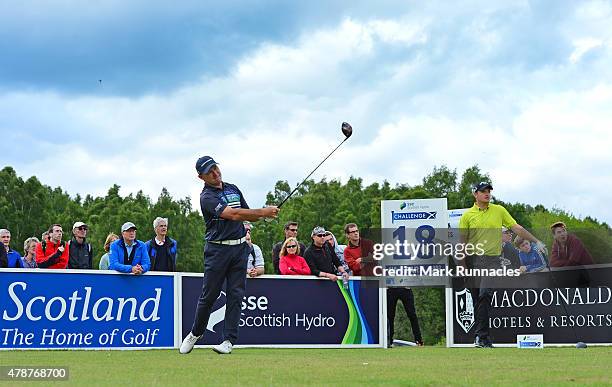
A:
(129, 255)
(162, 248)
(13, 257)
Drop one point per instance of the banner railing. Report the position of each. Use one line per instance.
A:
(83, 309)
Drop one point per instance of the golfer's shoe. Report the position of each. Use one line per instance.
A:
(483, 343)
(224, 348)
(188, 343)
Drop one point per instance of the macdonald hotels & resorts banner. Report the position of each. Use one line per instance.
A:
(562, 314)
(54, 309)
(296, 311)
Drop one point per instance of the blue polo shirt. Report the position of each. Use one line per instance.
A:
(213, 201)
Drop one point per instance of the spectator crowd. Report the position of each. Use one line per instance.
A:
(324, 257)
(123, 253)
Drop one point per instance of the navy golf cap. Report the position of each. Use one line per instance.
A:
(204, 164)
(482, 186)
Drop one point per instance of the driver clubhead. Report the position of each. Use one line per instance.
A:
(347, 129)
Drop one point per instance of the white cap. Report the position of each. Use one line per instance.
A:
(78, 224)
(317, 230)
(128, 225)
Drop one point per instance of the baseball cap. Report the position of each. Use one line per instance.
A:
(204, 164)
(481, 186)
(558, 224)
(317, 230)
(128, 225)
(78, 224)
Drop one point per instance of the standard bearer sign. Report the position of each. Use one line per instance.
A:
(414, 227)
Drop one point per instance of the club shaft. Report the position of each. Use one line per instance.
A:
(313, 171)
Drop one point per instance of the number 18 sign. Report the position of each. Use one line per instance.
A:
(417, 230)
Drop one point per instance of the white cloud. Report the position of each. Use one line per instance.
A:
(582, 46)
(278, 113)
(406, 32)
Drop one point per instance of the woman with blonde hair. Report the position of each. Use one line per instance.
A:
(104, 260)
(291, 263)
(29, 253)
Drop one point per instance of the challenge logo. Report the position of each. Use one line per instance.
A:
(464, 309)
(423, 215)
(530, 344)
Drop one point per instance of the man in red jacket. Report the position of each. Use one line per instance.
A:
(358, 251)
(52, 253)
(567, 249)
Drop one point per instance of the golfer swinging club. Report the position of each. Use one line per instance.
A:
(225, 256)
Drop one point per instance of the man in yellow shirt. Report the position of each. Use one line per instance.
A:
(481, 225)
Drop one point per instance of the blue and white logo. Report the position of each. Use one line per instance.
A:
(217, 315)
(530, 341)
(422, 215)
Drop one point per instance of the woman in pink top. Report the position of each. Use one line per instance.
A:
(291, 263)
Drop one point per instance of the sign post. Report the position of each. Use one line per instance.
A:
(417, 228)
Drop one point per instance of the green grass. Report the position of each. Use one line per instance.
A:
(405, 366)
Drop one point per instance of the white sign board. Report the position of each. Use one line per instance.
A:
(414, 225)
(454, 216)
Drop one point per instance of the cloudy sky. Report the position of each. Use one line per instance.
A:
(97, 93)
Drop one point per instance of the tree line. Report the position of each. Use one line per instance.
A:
(28, 207)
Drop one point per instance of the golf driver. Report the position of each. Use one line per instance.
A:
(347, 130)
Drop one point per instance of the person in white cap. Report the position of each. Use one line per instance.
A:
(323, 262)
(127, 254)
(80, 253)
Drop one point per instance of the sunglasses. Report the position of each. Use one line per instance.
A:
(321, 235)
(82, 228)
(292, 229)
(292, 247)
(352, 232)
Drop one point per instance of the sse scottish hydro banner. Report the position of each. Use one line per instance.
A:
(295, 312)
(75, 310)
